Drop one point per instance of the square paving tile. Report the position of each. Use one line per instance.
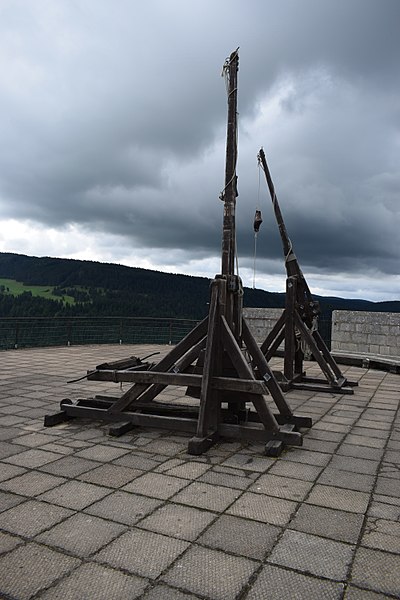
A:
(102, 453)
(339, 498)
(390, 470)
(336, 524)
(260, 464)
(240, 536)
(377, 571)
(267, 509)
(345, 479)
(363, 440)
(361, 452)
(274, 583)
(142, 552)
(7, 500)
(110, 475)
(30, 568)
(354, 593)
(165, 446)
(388, 486)
(81, 534)
(32, 458)
(32, 517)
(210, 497)
(312, 554)
(355, 465)
(189, 470)
(319, 434)
(307, 457)
(211, 573)
(229, 478)
(123, 507)
(282, 487)
(384, 510)
(8, 449)
(182, 522)
(8, 471)
(69, 466)
(156, 485)
(75, 494)
(36, 439)
(382, 534)
(287, 468)
(32, 483)
(58, 448)
(8, 542)
(104, 584)
(136, 461)
(8, 433)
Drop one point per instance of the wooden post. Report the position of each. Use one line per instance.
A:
(229, 193)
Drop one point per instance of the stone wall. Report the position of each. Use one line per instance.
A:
(261, 321)
(368, 333)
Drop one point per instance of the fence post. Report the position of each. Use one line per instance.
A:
(16, 335)
(120, 332)
(69, 332)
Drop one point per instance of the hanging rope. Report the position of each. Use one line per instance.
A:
(256, 227)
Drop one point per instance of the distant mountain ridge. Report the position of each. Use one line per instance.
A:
(112, 289)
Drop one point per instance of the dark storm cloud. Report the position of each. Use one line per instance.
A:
(113, 117)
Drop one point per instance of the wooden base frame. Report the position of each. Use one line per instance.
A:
(225, 366)
(292, 330)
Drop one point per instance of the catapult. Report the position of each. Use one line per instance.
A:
(219, 361)
(298, 325)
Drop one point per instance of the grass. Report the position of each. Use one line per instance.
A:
(16, 288)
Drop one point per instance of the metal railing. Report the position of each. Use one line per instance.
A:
(35, 332)
(31, 332)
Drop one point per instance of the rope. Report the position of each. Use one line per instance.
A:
(254, 265)
(255, 233)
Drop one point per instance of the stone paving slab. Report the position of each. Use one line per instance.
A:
(84, 515)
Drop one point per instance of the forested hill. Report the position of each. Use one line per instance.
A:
(79, 288)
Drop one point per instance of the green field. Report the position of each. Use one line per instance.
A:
(16, 288)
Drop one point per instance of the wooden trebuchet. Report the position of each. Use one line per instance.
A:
(298, 324)
(219, 362)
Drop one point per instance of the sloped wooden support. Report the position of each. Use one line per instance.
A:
(293, 330)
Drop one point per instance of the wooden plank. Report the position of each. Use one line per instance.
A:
(137, 418)
(265, 372)
(277, 329)
(328, 356)
(245, 371)
(308, 338)
(290, 341)
(274, 347)
(209, 360)
(233, 384)
(192, 338)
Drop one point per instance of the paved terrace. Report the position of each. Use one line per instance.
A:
(85, 516)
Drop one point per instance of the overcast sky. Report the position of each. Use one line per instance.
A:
(113, 125)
